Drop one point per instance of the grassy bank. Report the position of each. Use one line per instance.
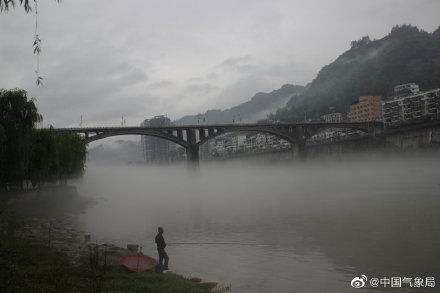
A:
(42, 251)
(30, 266)
(27, 266)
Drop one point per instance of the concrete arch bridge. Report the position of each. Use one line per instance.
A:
(192, 136)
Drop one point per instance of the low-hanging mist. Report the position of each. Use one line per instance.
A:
(324, 222)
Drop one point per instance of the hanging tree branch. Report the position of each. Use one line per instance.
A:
(6, 4)
(37, 46)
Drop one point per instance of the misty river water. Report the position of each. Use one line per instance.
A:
(290, 227)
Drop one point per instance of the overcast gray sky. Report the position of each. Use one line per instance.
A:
(102, 59)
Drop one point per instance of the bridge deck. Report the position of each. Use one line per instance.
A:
(234, 125)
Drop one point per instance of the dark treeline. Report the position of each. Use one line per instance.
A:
(30, 154)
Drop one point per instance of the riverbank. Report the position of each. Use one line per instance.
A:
(42, 249)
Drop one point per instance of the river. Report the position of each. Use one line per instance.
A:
(309, 227)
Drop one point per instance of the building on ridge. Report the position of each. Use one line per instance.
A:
(406, 89)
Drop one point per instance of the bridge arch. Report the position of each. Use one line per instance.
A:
(232, 130)
(365, 129)
(192, 136)
(137, 132)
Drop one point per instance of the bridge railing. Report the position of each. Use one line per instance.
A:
(230, 125)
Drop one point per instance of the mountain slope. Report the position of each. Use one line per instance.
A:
(260, 105)
(405, 55)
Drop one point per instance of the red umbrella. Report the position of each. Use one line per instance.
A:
(137, 263)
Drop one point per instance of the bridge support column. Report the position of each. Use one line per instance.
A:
(299, 150)
(192, 156)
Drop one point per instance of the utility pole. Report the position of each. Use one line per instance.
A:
(123, 121)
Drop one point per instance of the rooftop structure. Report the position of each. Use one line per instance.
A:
(407, 87)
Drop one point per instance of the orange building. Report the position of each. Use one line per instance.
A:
(369, 108)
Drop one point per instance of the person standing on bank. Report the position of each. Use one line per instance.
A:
(160, 242)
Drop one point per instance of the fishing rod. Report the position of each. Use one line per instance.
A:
(215, 243)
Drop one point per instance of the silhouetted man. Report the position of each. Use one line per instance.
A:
(160, 242)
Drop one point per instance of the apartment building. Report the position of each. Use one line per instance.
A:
(154, 149)
(368, 108)
(422, 105)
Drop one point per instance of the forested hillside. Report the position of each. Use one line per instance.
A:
(406, 54)
(260, 105)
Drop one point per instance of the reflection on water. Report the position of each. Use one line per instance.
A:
(302, 228)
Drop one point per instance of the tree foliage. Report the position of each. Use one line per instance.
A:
(39, 155)
(18, 117)
(360, 43)
(5, 5)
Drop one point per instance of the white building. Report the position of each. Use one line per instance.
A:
(261, 140)
(332, 117)
(238, 142)
(422, 105)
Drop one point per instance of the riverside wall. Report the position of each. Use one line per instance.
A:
(410, 139)
(414, 137)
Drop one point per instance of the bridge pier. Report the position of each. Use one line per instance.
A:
(299, 150)
(192, 156)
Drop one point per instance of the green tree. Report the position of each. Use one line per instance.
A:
(40, 155)
(71, 153)
(43, 165)
(18, 116)
(56, 156)
(2, 151)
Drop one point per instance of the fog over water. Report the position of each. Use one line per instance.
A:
(277, 228)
